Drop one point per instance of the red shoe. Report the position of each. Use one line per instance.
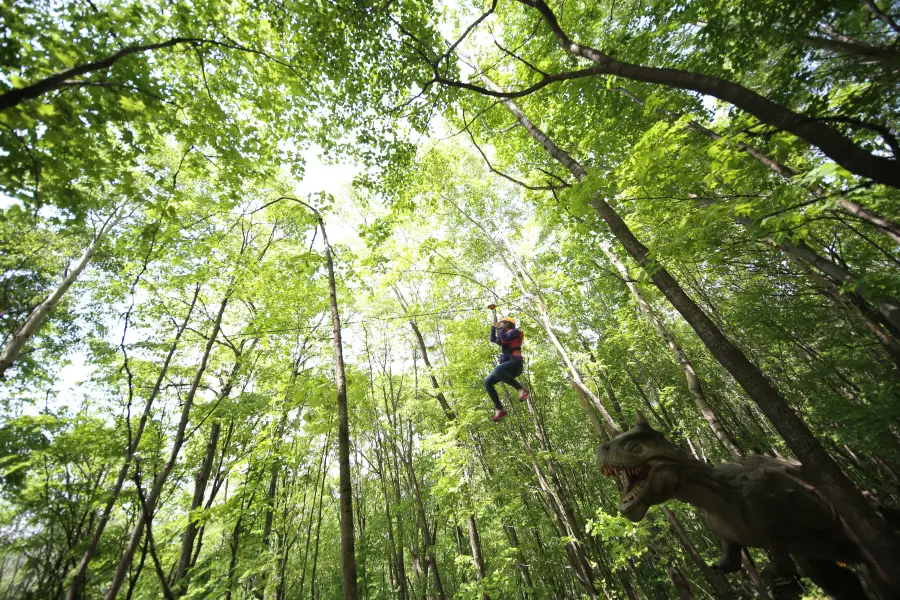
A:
(498, 415)
(523, 394)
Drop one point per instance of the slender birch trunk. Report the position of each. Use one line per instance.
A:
(38, 315)
(348, 553)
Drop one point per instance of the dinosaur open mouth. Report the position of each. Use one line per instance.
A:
(632, 479)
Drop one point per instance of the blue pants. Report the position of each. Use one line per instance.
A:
(505, 372)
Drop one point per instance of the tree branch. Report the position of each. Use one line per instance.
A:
(62, 78)
(831, 142)
(879, 14)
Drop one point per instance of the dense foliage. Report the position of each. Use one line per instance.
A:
(169, 400)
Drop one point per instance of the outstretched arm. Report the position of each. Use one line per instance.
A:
(494, 337)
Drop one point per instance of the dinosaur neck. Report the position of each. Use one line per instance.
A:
(703, 487)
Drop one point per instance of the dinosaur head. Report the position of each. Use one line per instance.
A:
(646, 465)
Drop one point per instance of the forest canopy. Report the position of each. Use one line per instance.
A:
(247, 255)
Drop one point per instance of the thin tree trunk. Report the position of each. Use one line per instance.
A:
(312, 576)
(873, 538)
(719, 584)
(80, 576)
(429, 537)
(36, 317)
(233, 546)
(475, 544)
(423, 349)
(132, 580)
(695, 386)
(474, 539)
(128, 554)
(348, 554)
(890, 345)
(320, 490)
(202, 480)
(190, 532)
(560, 507)
(523, 566)
(395, 548)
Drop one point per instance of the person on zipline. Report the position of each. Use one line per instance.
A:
(504, 333)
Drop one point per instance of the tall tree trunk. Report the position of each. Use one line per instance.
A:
(395, 548)
(76, 585)
(232, 561)
(560, 507)
(874, 539)
(348, 554)
(717, 582)
(474, 538)
(159, 482)
(429, 535)
(190, 532)
(320, 490)
(475, 544)
(423, 350)
(513, 536)
(870, 321)
(201, 480)
(36, 317)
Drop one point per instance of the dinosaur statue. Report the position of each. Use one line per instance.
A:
(756, 501)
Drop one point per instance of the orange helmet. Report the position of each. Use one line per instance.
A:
(509, 320)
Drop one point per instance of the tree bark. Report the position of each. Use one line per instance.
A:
(190, 532)
(870, 320)
(423, 349)
(886, 56)
(62, 78)
(475, 544)
(717, 582)
(37, 316)
(202, 480)
(873, 538)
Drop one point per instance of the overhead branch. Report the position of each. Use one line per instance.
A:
(508, 177)
(515, 56)
(881, 15)
(544, 82)
(64, 78)
(830, 141)
(466, 33)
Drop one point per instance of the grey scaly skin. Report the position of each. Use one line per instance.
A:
(756, 501)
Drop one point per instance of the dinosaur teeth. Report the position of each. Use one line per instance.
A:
(634, 492)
